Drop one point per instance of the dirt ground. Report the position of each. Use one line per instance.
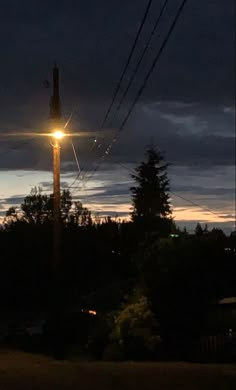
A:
(23, 371)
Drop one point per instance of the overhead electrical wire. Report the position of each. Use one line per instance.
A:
(127, 63)
(155, 61)
(141, 89)
(142, 56)
(117, 89)
(98, 42)
(205, 208)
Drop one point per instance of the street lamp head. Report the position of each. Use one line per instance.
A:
(58, 134)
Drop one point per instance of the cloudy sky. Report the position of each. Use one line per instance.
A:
(187, 108)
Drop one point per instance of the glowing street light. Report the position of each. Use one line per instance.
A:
(58, 134)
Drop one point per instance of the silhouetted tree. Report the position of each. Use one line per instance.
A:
(184, 276)
(185, 232)
(198, 230)
(37, 209)
(150, 198)
(11, 215)
(217, 234)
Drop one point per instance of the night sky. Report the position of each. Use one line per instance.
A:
(187, 108)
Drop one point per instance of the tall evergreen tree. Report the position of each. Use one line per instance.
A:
(150, 197)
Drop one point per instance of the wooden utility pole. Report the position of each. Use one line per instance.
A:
(55, 114)
(55, 104)
(56, 308)
(56, 208)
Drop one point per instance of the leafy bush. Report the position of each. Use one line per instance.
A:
(135, 319)
(133, 328)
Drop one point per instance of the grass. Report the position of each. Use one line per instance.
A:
(23, 371)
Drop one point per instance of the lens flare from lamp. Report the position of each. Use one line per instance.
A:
(58, 134)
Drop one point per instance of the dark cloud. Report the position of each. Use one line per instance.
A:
(15, 200)
(188, 150)
(187, 108)
(191, 91)
(88, 41)
(188, 138)
(116, 189)
(216, 191)
(229, 216)
(48, 186)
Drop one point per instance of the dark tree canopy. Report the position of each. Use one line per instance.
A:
(37, 209)
(150, 197)
(199, 230)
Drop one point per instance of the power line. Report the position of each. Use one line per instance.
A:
(171, 192)
(194, 203)
(205, 208)
(141, 89)
(142, 55)
(97, 44)
(74, 181)
(126, 64)
(75, 109)
(117, 89)
(155, 61)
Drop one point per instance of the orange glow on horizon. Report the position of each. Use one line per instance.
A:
(180, 213)
(196, 214)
